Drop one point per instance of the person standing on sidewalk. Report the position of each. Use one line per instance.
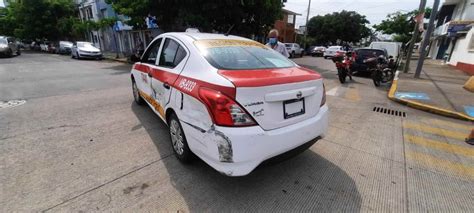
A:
(275, 44)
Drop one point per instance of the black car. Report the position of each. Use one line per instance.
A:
(364, 53)
(317, 51)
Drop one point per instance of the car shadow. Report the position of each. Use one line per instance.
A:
(306, 182)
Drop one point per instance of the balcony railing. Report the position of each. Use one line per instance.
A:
(441, 30)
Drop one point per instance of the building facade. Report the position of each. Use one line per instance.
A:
(286, 26)
(121, 38)
(453, 38)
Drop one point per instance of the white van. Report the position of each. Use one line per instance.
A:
(393, 48)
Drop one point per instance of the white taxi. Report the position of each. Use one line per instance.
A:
(229, 100)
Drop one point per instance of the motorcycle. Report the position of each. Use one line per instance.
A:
(343, 63)
(382, 69)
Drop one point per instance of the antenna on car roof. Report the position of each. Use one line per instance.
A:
(230, 29)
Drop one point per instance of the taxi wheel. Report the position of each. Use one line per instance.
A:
(136, 94)
(178, 140)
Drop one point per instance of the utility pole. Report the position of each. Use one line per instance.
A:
(426, 39)
(421, 10)
(306, 27)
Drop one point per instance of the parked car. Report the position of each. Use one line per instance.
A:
(362, 54)
(35, 45)
(332, 51)
(228, 100)
(44, 46)
(65, 47)
(294, 50)
(83, 49)
(53, 47)
(8, 46)
(393, 48)
(317, 51)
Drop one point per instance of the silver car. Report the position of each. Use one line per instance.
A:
(8, 46)
(83, 49)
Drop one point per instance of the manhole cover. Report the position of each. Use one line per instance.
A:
(11, 103)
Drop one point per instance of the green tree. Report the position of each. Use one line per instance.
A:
(246, 16)
(7, 21)
(400, 24)
(49, 19)
(345, 26)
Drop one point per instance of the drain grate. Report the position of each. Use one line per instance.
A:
(390, 111)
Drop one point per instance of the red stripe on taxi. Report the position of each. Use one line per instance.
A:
(184, 84)
(268, 77)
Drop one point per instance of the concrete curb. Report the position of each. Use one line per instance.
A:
(422, 106)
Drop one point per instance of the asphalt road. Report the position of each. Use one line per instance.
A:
(79, 143)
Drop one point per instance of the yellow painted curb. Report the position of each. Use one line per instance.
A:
(422, 106)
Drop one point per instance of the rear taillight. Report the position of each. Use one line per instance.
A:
(224, 110)
(323, 100)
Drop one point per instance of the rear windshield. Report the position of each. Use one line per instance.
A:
(370, 53)
(244, 57)
(288, 45)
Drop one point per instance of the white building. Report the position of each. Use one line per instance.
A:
(121, 37)
(453, 37)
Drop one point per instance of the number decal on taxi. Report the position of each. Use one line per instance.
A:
(187, 85)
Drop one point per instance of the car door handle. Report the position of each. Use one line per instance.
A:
(166, 85)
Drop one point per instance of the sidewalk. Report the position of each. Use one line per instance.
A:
(439, 86)
(113, 56)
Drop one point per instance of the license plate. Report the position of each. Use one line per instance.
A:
(293, 108)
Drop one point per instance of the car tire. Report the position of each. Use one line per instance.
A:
(18, 52)
(136, 94)
(178, 140)
(325, 57)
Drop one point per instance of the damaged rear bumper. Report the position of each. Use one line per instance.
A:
(250, 146)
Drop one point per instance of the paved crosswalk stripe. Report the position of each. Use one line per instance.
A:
(437, 131)
(452, 148)
(450, 124)
(352, 94)
(441, 164)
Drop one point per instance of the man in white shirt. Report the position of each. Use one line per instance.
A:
(275, 44)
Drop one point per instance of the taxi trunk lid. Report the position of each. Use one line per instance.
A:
(278, 97)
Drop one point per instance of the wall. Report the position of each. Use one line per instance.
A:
(286, 30)
(463, 58)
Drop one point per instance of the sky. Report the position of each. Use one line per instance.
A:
(374, 10)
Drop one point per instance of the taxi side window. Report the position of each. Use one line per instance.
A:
(151, 54)
(172, 54)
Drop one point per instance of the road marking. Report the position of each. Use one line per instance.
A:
(441, 164)
(333, 91)
(450, 124)
(452, 148)
(352, 94)
(437, 131)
